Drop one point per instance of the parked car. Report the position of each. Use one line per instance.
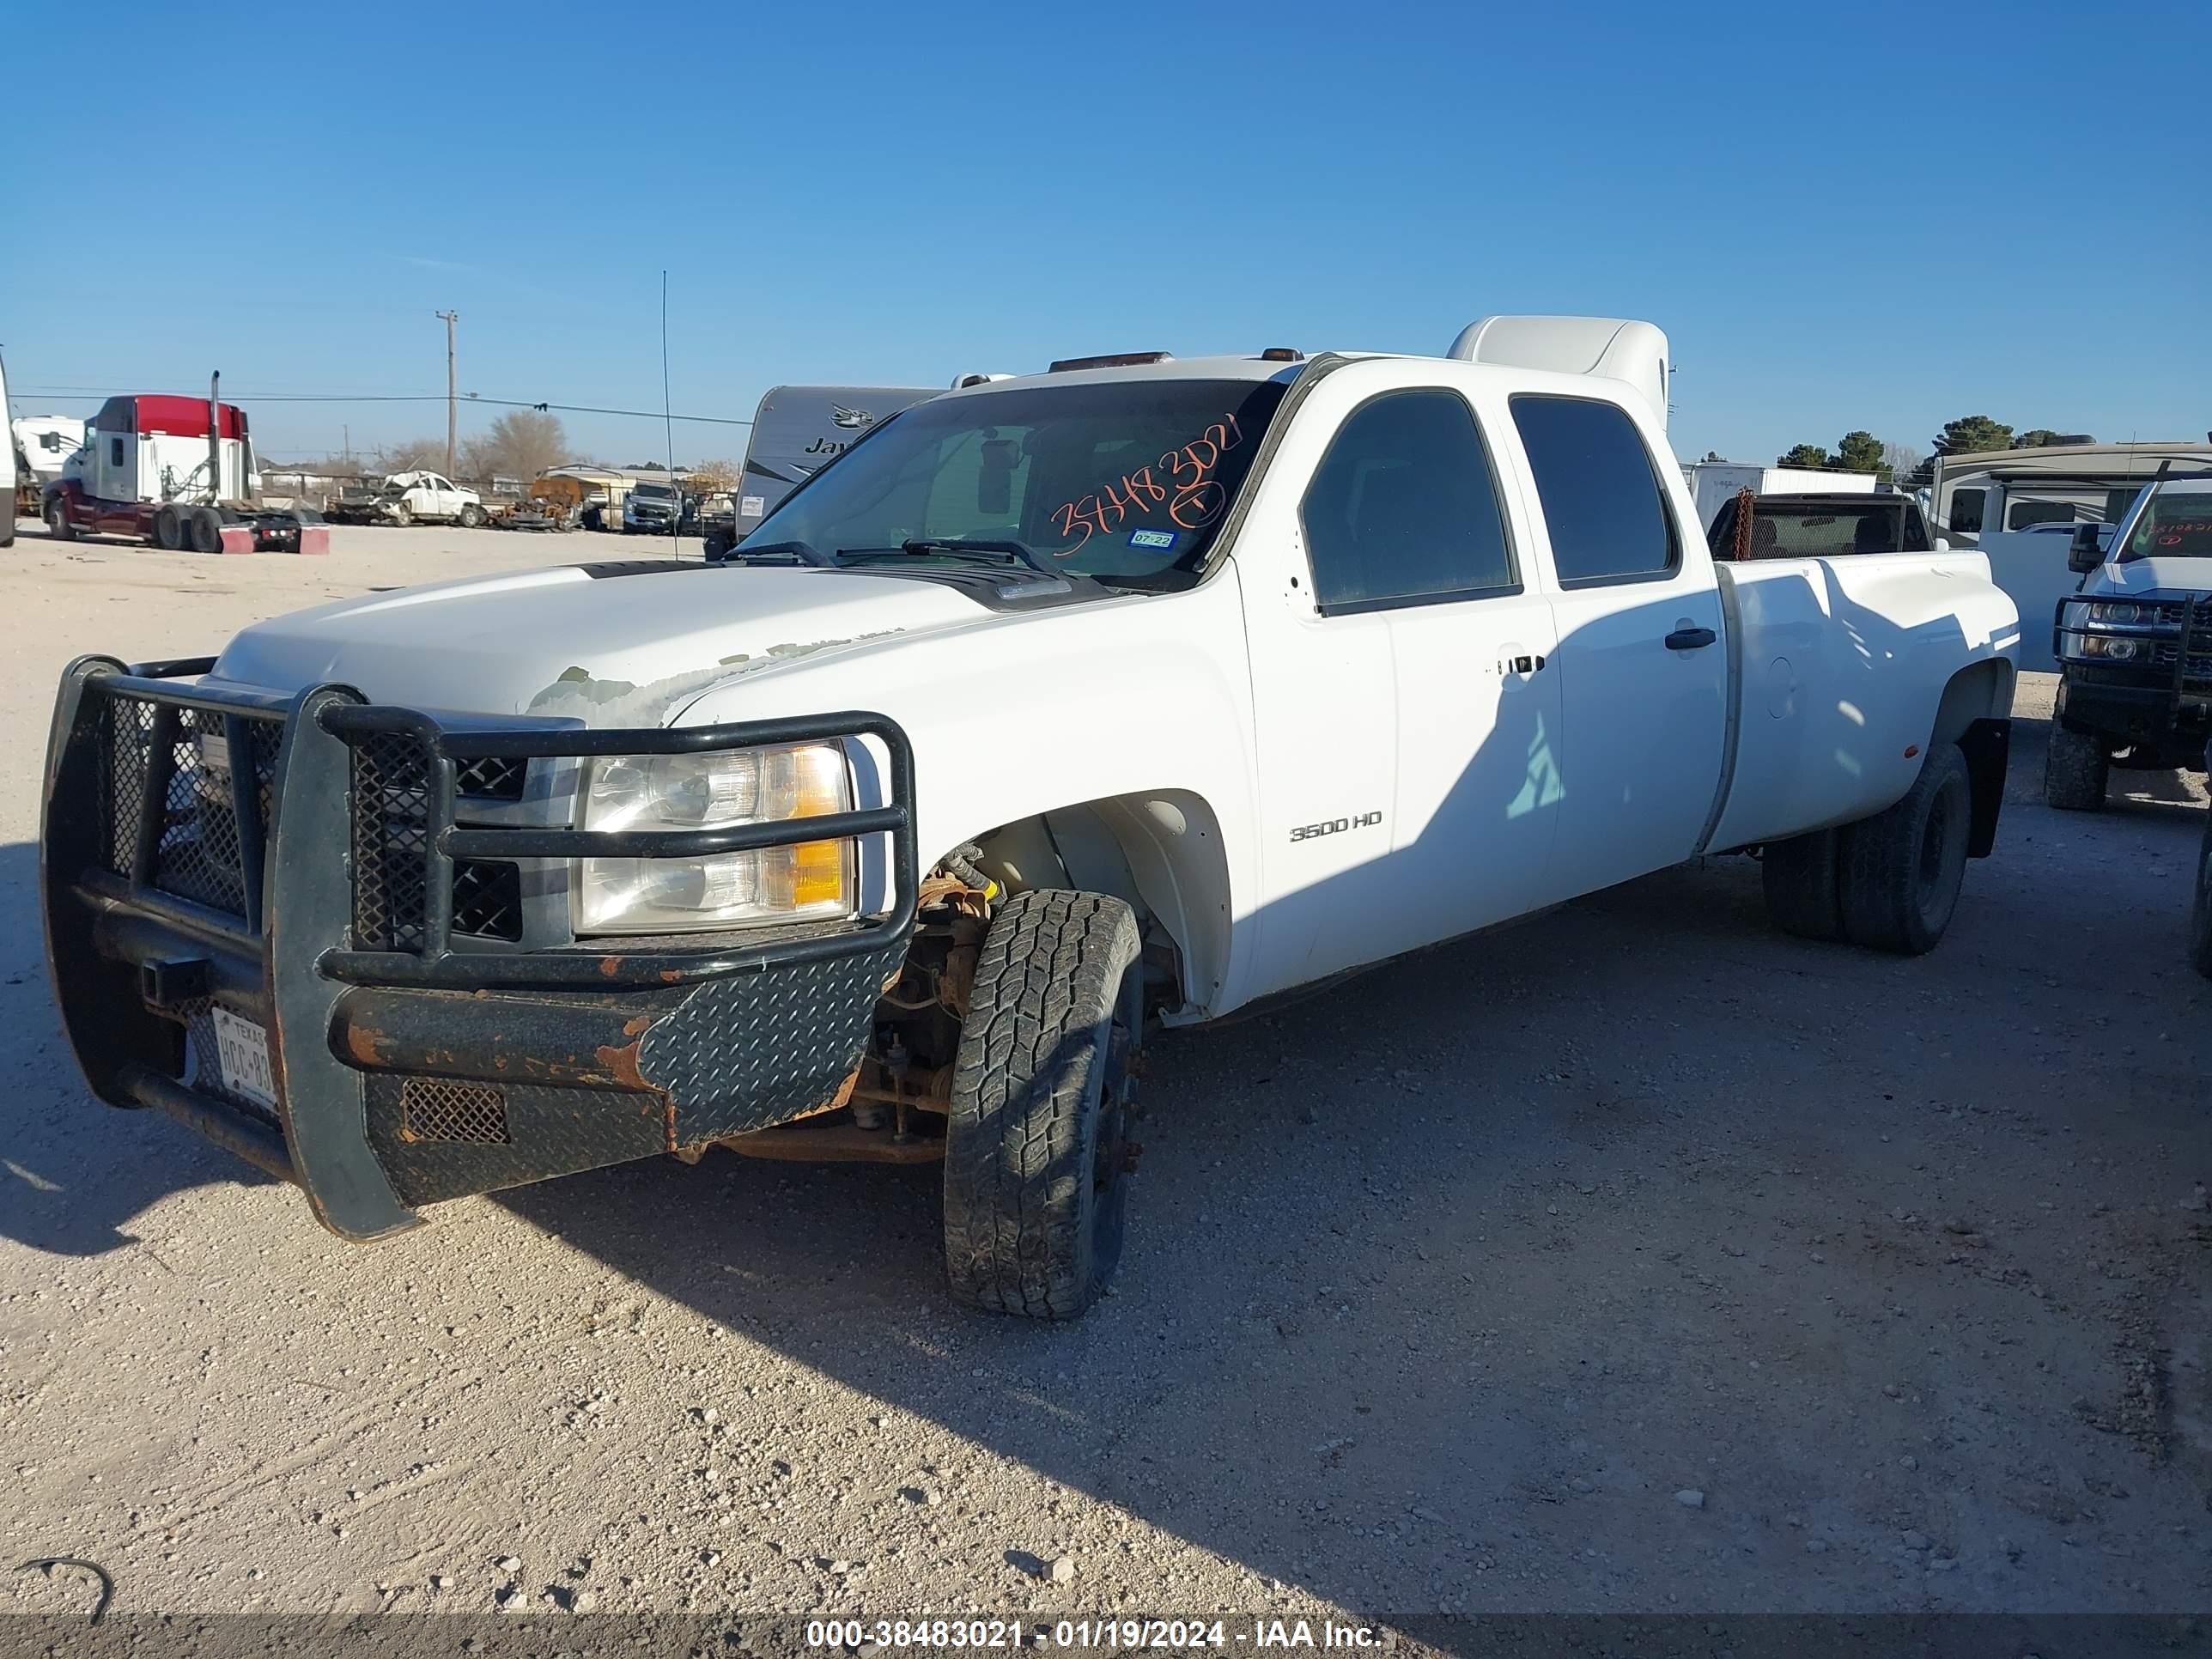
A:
(412, 497)
(2133, 645)
(1137, 692)
(656, 509)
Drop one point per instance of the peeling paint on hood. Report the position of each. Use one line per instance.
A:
(555, 643)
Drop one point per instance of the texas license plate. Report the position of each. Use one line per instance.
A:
(241, 1052)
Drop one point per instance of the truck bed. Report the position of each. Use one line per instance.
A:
(1838, 670)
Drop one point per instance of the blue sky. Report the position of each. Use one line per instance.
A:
(1869, 216)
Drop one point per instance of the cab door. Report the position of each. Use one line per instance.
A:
(1404, 693)
(1642, 659)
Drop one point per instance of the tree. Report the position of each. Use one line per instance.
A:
(521, 444)
(410, 455)
(713, 477)
(1903, 460)
(1808, 455)
(1861, 451)
(1971, 433)
(1711, 455)
(2042, 437)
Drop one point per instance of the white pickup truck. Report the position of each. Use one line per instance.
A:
(419, 497)
(1055, 710)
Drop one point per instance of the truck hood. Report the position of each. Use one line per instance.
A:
(2171, 579)
(619, 644)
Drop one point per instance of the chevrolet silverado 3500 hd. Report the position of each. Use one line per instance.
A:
(1056, 709)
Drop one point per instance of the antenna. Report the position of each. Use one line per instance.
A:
(451, 318)
(675, 495)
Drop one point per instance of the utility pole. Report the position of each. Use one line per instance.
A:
(450, 317)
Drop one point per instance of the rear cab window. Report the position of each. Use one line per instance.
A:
(1785, 529)
(1608, 517)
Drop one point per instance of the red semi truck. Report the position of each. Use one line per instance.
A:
(175, 471)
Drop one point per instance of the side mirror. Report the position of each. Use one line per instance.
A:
(2086, 552)
(994, 481)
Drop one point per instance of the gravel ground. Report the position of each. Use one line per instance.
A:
(1636, 1259)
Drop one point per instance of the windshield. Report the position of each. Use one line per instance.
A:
(2174, 524)
(652, 491)
(1126, 481)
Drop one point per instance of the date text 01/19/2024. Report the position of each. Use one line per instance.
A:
(1093, 1635)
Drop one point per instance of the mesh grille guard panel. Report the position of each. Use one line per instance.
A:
(391, 836)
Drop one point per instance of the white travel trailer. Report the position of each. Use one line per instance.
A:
(2005, 501)
(47, 441)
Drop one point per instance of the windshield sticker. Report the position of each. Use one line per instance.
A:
(1182, 483)
(1159, 538)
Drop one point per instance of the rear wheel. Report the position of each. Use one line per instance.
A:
(1799, 877)
(402, 514)
(2200, 911)
(58, 521)
(2076, 768)
(206, 530)
(1900, 870)
(1043, 1092)
(168, 527)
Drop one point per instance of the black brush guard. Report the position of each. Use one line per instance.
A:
(208, 848)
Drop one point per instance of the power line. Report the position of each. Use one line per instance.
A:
(19, 392)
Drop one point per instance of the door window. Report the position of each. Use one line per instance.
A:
(1966, 511)
(1609, 520)
(1403, 509)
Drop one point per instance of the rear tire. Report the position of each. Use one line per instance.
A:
(168, 527)
(1901, 869)
(1035, 1155)
(1801, 879)
(57, 522)
(2200, 910)
(2076, 768)
(402, 514)
(206, 529)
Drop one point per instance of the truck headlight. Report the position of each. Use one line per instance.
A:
(2102, 647)
(712, 792)
(2122, 610)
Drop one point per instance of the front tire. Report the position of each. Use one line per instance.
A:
(2076, 768)
(57, 522)
(1901, 869)
(472, 516)
(1036, 1148)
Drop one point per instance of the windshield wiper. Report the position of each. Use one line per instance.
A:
(956, 547)
(792, 552)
